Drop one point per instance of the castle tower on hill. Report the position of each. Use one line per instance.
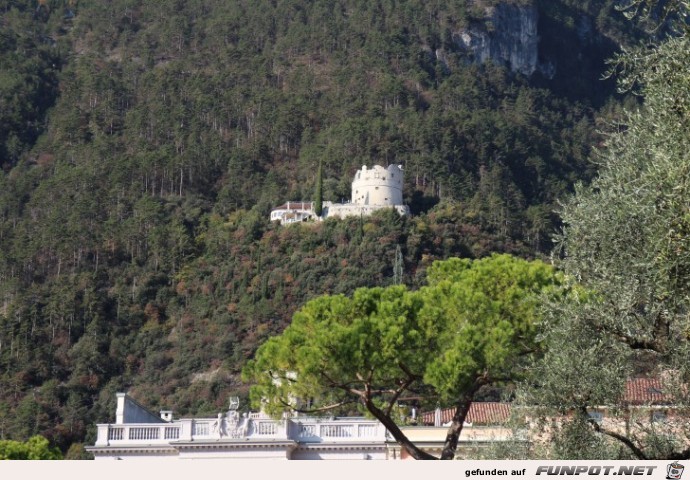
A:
(378, 186)
(372, 189)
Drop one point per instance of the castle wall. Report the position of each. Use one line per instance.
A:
(350, 210)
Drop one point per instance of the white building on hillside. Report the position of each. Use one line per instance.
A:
(372, 189)
(293, 212)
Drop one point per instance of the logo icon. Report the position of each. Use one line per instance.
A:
(674, 471)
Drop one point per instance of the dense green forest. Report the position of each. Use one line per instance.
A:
(143, 144)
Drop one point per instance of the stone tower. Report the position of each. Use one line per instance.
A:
(378, 186)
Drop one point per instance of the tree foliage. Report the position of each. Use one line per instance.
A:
(471, 326)
(35, 448)
(626, 241)
(142, 145)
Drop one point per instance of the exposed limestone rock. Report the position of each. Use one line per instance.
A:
(509, 36)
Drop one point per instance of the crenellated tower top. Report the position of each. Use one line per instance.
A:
(378, 186)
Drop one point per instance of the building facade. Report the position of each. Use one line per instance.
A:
(138, 434)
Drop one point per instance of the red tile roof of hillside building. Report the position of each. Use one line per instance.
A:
(638, 391)
(482, 413)
(644, 391)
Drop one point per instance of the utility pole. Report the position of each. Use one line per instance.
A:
(318, 194)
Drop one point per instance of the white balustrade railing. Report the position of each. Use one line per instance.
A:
(137, 434)
(314, 430)
(367, 429)
(116, 433)
(265, 427)
(336, 431)
(202, 429)
(299, 429)
(144, 433)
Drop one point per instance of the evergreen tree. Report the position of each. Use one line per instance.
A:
(472, 326)
(35, 448)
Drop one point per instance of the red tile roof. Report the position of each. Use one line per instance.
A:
(645, 391)
(482, 413)
(638, 391)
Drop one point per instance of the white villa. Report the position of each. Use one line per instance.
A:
(372, 189)
(139, 434)
(293, 212)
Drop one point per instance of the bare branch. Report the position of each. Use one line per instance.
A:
(407, 371)
(321, 409)
(621, 438)
(395, 431)
(631, 341)
(617, 436)
(334, 384)
(397, 394)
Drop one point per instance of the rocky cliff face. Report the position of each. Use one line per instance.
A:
(509, 36)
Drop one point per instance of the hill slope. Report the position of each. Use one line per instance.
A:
(144, 143)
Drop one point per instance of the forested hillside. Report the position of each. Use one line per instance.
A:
(142, 145)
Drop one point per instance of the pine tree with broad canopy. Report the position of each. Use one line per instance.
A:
(473, 325)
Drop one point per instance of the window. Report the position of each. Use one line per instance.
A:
(597, 417)
(658, 416)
